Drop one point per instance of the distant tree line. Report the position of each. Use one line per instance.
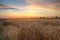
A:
(56, 17)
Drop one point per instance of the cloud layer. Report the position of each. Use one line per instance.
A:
(50, 4)
(2, 6)
(40, 7)
(42, 2)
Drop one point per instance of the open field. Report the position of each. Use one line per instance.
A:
(29, 29)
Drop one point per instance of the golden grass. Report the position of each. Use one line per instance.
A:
(31, 29)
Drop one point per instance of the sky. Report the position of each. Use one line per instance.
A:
(29, 8)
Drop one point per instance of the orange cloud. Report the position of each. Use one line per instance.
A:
(54, 4)
(40, 8)
(45, 4)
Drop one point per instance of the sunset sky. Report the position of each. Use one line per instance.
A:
(29, 8)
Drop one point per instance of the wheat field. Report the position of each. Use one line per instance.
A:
(29, 29)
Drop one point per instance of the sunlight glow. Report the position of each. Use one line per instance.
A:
(31, 11)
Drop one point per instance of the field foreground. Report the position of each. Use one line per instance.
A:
(29, 29)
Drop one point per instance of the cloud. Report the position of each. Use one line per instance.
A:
(8, 7)
(54, 4)
(48, 4)
(41, 2)
(45, 3)
(34, 2)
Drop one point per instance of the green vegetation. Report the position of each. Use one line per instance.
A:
(1, 36)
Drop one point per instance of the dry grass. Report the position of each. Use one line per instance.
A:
(30, 29)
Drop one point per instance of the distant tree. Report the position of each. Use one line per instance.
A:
(39, 17)
(56, 17)
(43, 17)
